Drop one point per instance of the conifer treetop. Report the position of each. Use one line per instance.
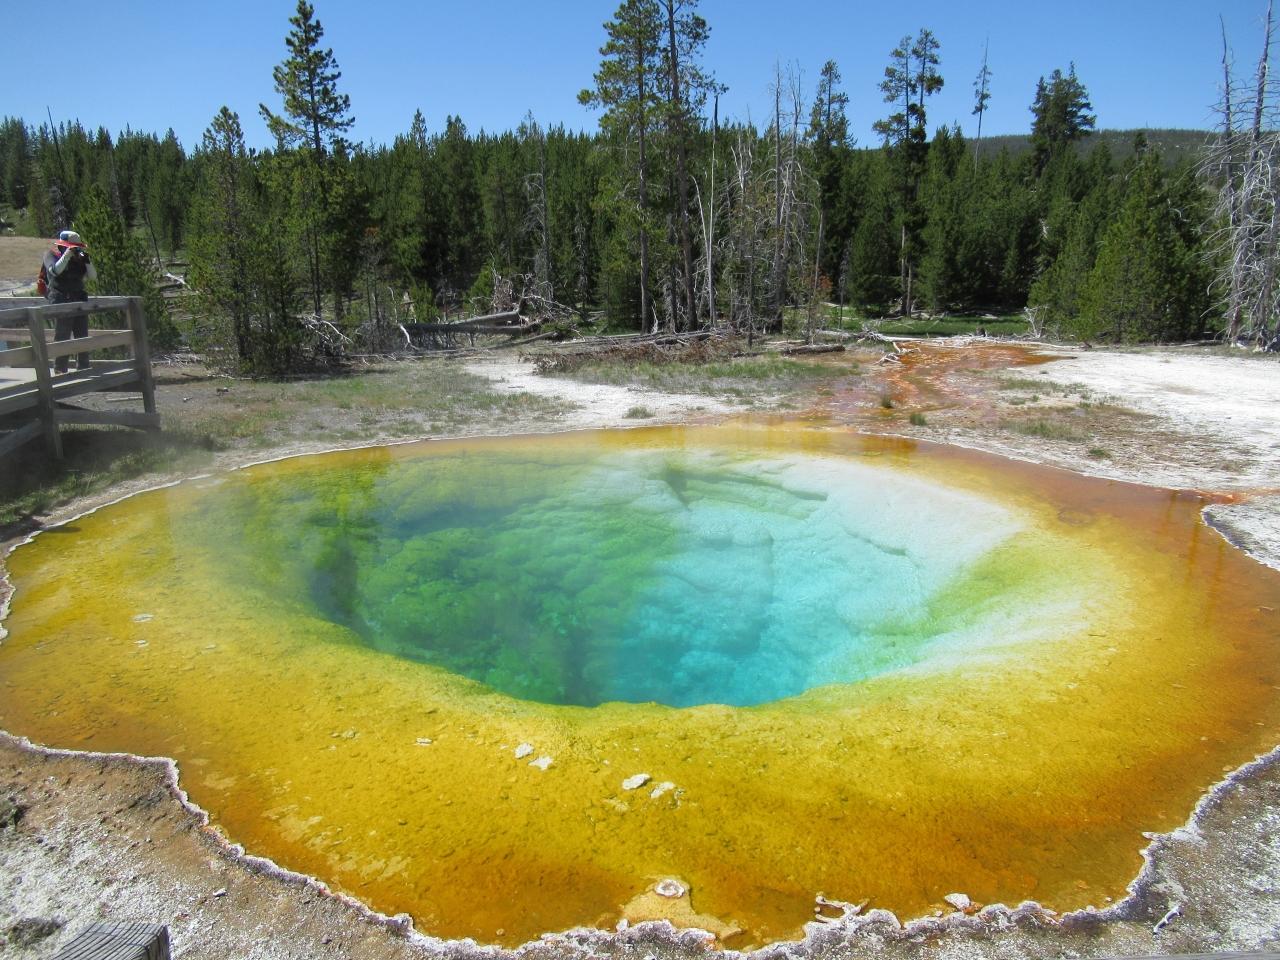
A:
(314, 112)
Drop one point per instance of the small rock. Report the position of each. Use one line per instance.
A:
(423, 741)
(523, 750)
(662, 788)
(143, 617)
(224, 389)
(636, 782)
(10, 812)
(958, 900)
(220, 893)
(29, 931)
(541, 763)
(622, 925)
(350, 735)
(673, 889)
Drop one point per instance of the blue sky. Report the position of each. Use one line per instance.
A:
(155, 65)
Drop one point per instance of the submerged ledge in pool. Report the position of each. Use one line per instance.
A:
(445, 677)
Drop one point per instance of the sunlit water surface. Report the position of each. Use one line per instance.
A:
(849, 665)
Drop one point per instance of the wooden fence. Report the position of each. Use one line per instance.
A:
(37, 405)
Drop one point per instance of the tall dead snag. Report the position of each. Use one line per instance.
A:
(1246, 223)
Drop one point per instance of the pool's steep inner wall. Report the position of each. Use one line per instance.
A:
(848, 665)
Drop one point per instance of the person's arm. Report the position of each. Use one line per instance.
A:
(62, 262)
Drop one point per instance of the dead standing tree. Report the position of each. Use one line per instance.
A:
(1245, 160)
(767, 220)
(539, 222)
(788, 179)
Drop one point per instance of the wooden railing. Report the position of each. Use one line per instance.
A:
(42, 401)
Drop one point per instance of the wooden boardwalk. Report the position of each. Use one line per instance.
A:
(34, 400)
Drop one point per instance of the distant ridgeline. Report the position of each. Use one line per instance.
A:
(1175, 145)
(659, 217)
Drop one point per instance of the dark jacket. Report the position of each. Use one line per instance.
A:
(65, 277)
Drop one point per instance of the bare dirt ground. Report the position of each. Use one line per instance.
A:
(110, 838)
(20, 262)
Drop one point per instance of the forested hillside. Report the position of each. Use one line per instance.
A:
(666, 215)
(1175, 145)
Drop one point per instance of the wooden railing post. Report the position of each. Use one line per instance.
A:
(142, 353)
(39, 352)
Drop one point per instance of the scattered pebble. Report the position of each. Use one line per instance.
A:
(220, 893)
(523, 750)
(140, 643)
(661, 788)
(541, 763)
(143, 617)
(669, 888)
(636, 782)
(423, 741)
(350, 735)
(622, 925)
(958, 900)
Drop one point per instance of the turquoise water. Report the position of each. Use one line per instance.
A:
(676, 577)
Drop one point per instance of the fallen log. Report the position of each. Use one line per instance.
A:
(810, 348)
(466, 326)
(520, 343)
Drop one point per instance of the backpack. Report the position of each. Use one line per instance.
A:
(42, 282)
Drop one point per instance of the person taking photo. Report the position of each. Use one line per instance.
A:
(62, 277)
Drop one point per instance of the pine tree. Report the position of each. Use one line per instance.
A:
(124, 269)
(1061, 110)
(247, 291)
(315, 115)
(627, 91)
(829, 137)
(314, 112)
(1146, 284)
(981, 97)
(686, 87)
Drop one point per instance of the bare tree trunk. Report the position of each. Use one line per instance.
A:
(682, 150)
(711, 231)
(641, 124)
(546, 213)
(777, 194)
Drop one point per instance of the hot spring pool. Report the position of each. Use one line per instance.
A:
(852, 666)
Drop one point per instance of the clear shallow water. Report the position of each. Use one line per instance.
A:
(680, 578)
(1009, 673)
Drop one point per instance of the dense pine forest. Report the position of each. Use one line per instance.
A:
(666, 216)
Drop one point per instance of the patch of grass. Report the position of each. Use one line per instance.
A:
(918, 420)
(759, 379)
(1099, 454)
(886, 402)
(638, 413)
(1047, 429)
